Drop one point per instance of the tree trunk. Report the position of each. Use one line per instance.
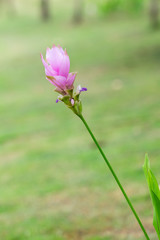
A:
(9, 7)
(12, 8)
(78, 11)
(154, 13)
(45, 10)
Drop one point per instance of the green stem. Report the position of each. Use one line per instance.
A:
(115, 177)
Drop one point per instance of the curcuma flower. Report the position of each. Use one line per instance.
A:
(57, 66)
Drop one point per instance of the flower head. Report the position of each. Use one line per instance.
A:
(57, 66)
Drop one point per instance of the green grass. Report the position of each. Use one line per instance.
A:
(54, 185)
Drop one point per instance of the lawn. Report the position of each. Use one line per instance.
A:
(54, 185)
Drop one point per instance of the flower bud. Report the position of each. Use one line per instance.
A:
(57, 66)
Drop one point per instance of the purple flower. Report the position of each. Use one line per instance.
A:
(57, 67)
(81, 89)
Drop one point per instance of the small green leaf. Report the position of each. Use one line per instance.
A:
(154, 193)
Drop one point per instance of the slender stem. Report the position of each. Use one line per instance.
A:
(116, 178)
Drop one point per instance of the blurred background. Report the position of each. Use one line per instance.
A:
(54, 185)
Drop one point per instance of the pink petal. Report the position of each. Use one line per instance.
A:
(54, 57)
(61, 49)
(65, 66)
(70, 80)
(72, 102)
(61, 79)
(58, 81)
(48, 69)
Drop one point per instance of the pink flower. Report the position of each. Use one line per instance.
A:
(57, 67)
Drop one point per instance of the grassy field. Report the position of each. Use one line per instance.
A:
(54, 185)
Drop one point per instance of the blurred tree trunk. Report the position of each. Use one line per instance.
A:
(78, 11)
(154, 13)
(9, 6)
(1, 2)
(45, 10)
(12, 8)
